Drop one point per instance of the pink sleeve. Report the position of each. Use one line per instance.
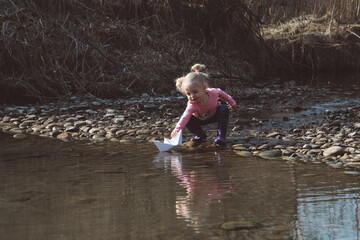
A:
(227, 98)
(190, 109)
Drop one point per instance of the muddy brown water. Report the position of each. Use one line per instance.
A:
(78, 190)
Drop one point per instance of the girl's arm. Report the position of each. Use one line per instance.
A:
(228, 99)
(183, 120)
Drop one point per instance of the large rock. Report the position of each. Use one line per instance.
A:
(333, 151)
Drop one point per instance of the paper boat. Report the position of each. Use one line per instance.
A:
(169, 144)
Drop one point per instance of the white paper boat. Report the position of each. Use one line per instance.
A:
(169, 144)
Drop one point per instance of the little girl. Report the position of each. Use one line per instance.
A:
(203, 106)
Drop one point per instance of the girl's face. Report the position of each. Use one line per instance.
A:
(196, 93)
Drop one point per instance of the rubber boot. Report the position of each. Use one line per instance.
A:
(198, 132)
(221, 132)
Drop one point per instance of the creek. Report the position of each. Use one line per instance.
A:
(50, 189)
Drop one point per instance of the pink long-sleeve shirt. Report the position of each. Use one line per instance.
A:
(204, 111)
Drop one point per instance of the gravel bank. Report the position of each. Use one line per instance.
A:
(277, 122)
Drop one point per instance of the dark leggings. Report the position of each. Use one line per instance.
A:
(222, 112)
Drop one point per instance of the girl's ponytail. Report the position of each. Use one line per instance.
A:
(198, 67)
(198, 76)
(179, 82)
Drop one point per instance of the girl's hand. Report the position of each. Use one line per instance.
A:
(233, 108)
(174, 133)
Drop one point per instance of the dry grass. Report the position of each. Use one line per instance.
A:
(316, 44)
(313, 36)
(281, 11)
(114, 48)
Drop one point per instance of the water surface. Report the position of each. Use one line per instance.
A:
(79, 190)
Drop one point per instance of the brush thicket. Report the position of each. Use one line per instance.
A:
(115, 48)
(118, 48)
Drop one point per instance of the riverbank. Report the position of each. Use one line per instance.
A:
(290, 122)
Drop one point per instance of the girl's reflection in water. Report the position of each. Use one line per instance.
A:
(205, 181)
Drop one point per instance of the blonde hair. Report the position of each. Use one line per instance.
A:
(196, 77)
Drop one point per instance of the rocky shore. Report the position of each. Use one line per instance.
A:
(277, 122)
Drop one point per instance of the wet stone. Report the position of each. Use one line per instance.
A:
(113, 139)
(333, 151)
(270, 154)
(79, 123)
(68, 124)
(244, 153)
(45, 130)
(289, 158)
(29, 122)
(14, 119)
(16, 130)
(110, 115)
(345, 157)
(335, 164)
(37, 128)
(91, 111)
(326, 145)
(353, 158)
(57, 128)
(352, 172)
(80, 117)
(130, 132)
(352, 164)
(6, 119)
(71, 119)
(239, 225)
(273, 134)
(143, 131)
(19, 136)
(84, 128)
(110, 111)
(314, 151)
(49, 121)
(120, 132)
(264, 147)
(98, 138)
(64, 136)
(109, 135)
(287, 152)
(94, 130)
(239, 147)
(51, 125)
(71, 129)
(31, 117)
(119, 119)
